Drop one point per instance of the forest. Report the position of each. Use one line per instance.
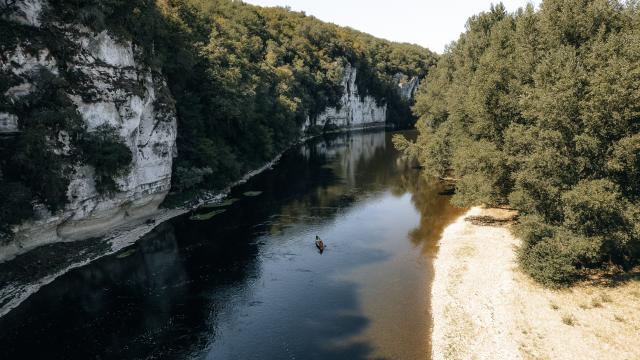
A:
(539, 110)
(242, 78)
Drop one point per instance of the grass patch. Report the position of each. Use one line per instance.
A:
(206, 216)
(606, 298)
(569, 319)
(252, 193)
(214, 205)
(619, 318)
(126, 254)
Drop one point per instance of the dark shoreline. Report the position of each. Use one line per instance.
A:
(25, 274)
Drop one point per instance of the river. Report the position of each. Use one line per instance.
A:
(249, 283)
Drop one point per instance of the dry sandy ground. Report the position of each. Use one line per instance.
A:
(485, 308)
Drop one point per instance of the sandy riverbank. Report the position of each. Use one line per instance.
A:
(485, 308)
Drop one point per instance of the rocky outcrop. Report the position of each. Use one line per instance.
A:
(356, 111)
(353, 110)
(28, 12)
(407, 87)
(116, 90)
(8, 123)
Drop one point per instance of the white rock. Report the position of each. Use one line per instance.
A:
(28, 13)
(408, 89)
(102, 46)
(21, 62)
(353, 111)
(8, 123)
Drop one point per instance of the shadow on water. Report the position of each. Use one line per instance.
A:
(247, 284)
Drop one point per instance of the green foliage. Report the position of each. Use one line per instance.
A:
(549, 263)
(190, 178)
(38, 162)
(624, 164)
(540, 110)
(482, 172)
(38, 158)
(103, 149)
(593, 207)
(15, 204)
(245, 78)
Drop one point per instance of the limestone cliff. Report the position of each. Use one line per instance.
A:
(356, 111)
(118, 91)
(407, 87)
(353, 110)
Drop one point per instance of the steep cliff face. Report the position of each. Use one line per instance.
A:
(407, 87)
(353, 111)
(118, 91)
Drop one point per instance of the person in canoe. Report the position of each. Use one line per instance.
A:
(319, 244)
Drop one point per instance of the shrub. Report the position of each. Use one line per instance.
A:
(36, 163)
(549, 263)
(103, 149)
(569, 319)
(480, 166)
(190, 178)
(593, 207)
(15, 204)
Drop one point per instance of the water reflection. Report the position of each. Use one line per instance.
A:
(249, 284)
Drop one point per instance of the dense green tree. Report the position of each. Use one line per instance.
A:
(110, 157)
(539, 110)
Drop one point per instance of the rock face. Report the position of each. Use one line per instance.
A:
(117, 91)
(354, 111)
(407, 87)
(8, 123)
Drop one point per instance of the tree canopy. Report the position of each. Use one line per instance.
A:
(541, 110)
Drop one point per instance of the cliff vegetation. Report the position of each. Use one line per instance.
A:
(243, 80)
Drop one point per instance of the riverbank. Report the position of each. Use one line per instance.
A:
(24, 274)
(484, 308)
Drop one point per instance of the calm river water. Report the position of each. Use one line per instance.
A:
(250, 284)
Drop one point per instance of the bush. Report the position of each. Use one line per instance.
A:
(15, 204)
(190, 178)
(480, 167)
(103, 149)
(552, 254)
(594, 207)
(549, 263)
